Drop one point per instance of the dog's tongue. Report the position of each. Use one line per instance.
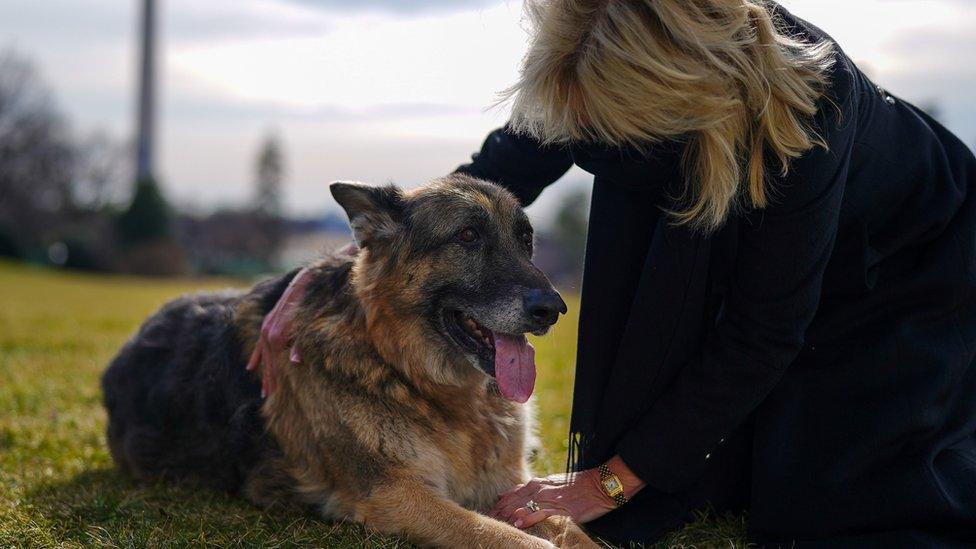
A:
(514, 366)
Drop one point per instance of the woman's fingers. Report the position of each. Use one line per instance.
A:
(514, 498)
(506, 512)
(527, 518)
(583, 501)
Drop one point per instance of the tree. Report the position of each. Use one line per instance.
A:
(147, 218)
(267, 219)
(36, 160)
(569, 226)
(270, 175)
(54, 189)
(145, 231)
(101, 171)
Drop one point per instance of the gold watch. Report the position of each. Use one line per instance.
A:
(611, 485)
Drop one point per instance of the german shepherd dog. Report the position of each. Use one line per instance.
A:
(406, 411)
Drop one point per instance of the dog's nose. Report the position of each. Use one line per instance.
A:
(544, 306)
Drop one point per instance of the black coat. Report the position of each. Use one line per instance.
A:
(813, 360)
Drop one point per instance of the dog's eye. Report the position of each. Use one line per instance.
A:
(467, 235)
(527, 238)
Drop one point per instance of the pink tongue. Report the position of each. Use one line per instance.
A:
(514, 366)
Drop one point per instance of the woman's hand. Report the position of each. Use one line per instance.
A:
(274, 351)
(578, 496)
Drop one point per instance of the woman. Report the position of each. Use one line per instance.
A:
(778, 309)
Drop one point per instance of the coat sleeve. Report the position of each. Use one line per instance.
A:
(773, 296)
(519, 163)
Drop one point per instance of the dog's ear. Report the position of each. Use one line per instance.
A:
(375, 213)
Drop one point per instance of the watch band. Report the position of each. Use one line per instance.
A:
(617, 495)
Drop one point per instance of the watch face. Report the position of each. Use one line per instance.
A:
(611, 485)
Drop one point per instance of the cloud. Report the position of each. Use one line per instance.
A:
(89, 23)
(217, 20)
(368, 59)
(397, 6)
(65, 22)
(930, 49)
(189, 108)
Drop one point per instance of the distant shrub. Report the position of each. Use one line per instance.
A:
(147, 218)
(145, 233)
(9, 247)
(84, 256)
(160, 257)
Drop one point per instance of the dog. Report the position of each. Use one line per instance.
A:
(406, 412)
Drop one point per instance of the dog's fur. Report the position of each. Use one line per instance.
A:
(387, 420)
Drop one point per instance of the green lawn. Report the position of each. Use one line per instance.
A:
(57, 484)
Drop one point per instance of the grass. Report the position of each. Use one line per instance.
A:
(57, 484)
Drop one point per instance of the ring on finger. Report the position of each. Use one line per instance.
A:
(531, 505)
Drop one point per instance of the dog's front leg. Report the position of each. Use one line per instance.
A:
(412, 509)
(564, 533)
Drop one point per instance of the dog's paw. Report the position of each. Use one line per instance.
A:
(575, 539)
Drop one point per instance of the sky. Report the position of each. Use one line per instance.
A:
(384, 90)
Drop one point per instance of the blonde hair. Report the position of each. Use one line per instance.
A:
(717, 74)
